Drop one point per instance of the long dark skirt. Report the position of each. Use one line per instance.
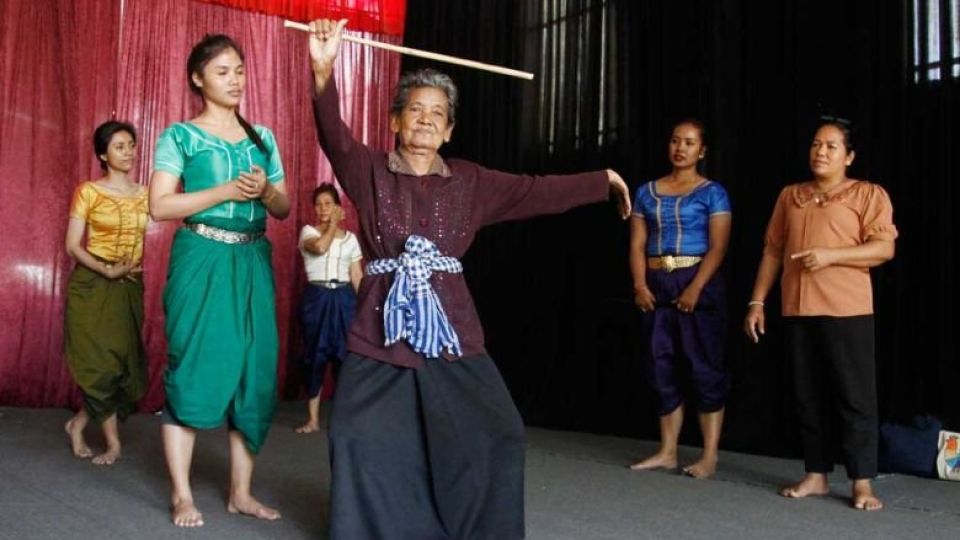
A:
(102, 342)
(326, 315)
(425, 454)
(686, 343)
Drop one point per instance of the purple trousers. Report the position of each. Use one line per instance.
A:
(686, 349)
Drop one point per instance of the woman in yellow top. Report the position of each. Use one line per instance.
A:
(104, 314)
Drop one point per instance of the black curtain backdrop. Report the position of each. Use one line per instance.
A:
(555, 294)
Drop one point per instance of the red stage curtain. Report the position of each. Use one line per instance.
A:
(64, 77)
(58, 65)
(378, 16)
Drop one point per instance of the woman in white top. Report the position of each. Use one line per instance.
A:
(331, 256)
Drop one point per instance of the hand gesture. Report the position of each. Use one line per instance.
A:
(253, 184)
(336, 217)
(118, 269)
(814, 259)
(621, 192)
(644, 299)
(325, 35)
(688, 299)
(134, 273)
(755, 323)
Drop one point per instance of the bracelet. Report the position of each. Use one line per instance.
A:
(755, 303)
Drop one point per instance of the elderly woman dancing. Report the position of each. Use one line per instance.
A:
(425, 440)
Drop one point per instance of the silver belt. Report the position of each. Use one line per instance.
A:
(330, 284)
(223, 235)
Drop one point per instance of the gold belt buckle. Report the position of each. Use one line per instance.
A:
(669, 263)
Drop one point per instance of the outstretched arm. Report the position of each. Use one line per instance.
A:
(349, 158)
(502, 196)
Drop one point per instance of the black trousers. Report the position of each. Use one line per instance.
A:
(435, 453)
(834, 372)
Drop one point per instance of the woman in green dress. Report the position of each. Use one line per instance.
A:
(102, 340)
(219, 299)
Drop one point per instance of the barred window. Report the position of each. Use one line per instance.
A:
(569, 42)
(936, 39)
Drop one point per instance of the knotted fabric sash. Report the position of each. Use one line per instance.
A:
(412, 311)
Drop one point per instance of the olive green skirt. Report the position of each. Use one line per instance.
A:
(102, 342)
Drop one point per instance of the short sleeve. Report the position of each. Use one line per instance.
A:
(776, 228)
(877, 216)
(274, 165)
(169, 153)
(718, 200)
(638, 199)
(82, 201)
(353, 254)
(308, 232)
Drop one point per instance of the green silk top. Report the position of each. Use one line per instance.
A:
(203, 160)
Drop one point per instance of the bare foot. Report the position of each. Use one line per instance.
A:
(183, 513)
(252, 507)
(77, 442)
(863, 497)
(108, 457)
(811, 485)
(309, 427)
(660, 460)
(701, 469)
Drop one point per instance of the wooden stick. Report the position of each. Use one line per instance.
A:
(423, 54)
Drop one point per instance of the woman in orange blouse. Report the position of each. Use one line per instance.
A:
(823, 238)
(104, 314)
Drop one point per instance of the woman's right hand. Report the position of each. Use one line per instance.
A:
(118, 269)
(336, 217)
(644, 299)
(325, 35)
(234, 190)
(755, 323)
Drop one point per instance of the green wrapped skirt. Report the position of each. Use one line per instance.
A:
(221, 336)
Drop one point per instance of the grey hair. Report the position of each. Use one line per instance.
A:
(425, 78)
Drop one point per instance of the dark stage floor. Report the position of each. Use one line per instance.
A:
(578, 487)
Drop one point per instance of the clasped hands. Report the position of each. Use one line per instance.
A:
(122, 269)
(252, 185)
(685, 303)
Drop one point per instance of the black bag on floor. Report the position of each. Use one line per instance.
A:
(910, 449)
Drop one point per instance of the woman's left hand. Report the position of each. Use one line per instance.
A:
(814, 259)
(621, 191)
(687, 301)
(253, 184)
(135, 273)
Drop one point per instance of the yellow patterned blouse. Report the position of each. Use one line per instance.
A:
(115, 224)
